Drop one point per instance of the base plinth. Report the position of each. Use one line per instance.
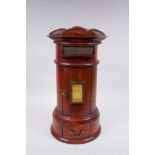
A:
(75, 130)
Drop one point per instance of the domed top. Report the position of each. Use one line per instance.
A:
(77, 32)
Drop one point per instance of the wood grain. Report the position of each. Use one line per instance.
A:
(76, 123)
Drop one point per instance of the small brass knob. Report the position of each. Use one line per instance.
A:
(82, 132)
(72, 133)
(64, 93)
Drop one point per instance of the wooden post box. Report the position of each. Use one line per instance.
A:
(76, 117)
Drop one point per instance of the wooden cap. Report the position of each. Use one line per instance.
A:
(77, 32)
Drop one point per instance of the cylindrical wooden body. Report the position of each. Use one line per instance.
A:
(76, 117)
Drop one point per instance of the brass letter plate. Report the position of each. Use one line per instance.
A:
(77, 51)
(77, 92)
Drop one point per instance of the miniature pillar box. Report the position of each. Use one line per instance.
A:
(76, 117)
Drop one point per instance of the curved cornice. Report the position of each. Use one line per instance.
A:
(77, 32)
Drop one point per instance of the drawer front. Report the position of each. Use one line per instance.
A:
(76, 131)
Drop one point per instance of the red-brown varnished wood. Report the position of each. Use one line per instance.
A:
(77, 74)
(76, 123)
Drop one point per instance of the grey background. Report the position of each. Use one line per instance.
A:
(110, 16)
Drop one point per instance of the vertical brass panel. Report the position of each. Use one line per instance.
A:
(77, 92)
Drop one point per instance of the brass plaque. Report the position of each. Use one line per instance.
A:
(77, 93)
(74, 50)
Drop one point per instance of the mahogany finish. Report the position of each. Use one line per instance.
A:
(76, 117)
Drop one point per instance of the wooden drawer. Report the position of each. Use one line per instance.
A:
(76, 131)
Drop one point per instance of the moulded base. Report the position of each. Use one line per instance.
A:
(75, 130)
(76, 141)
